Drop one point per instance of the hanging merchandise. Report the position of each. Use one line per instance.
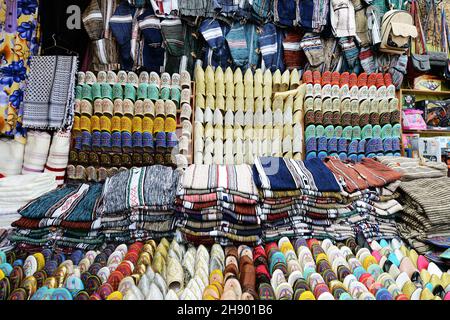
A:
(397, 28)
(49, 97)
(420, 61)
(437, 50)
(20, 41)
(96, 20)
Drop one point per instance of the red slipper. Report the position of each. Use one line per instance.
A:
(307, 76)
(387, 79)
(353, 80)
(362, 80)
(335, 78)
(343, 79)
(326, 78)
(317, 77)
(380, 80)
(372, 79)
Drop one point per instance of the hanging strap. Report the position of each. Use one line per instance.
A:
(419, 42)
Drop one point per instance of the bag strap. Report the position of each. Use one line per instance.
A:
(419, 41)
(445, 39)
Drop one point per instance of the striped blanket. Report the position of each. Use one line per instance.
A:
(236, 179)
(287, 174)
(140, 188)
(76, 203)
(415, 168)
(426, 204)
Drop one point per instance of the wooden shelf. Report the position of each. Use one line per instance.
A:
(428, 131)
(425, 92)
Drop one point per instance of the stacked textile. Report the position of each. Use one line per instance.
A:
(415, 168)
(298, 198)
(370, 187)
(426, 212)
(137, 204)
(218, 203)
(423, 193)
(17, 191)
(64, 218)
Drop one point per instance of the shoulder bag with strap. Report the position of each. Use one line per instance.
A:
(437, 54)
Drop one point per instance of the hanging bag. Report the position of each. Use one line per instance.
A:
(419, 61)
(397, 29)
(437, 54)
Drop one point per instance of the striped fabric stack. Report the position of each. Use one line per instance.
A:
(298, 198)
(137, 204)
(333, 199)
(370, 189)
(64, 219)
(218, 204)
(424, 194)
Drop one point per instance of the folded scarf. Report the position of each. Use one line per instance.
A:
(49, 99)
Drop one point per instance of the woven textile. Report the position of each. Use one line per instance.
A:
(140, 188)
(49, 98)
(220, 177)
(287, 174)
(36, 152)
(427, 201)
(412, 169)
(71, 203)
(16, 191)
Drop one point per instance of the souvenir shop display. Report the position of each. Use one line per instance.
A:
(295, 269)
(224, 150)
(218, 204)
(242, 116)
(124, 120)
(350, 116)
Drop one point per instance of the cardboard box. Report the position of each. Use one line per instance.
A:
(430, 148)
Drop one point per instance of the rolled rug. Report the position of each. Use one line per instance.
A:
(59, 155)
(12, 157)
(36, 151)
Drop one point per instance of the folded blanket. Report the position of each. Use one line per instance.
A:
(280, 174)
(139, 188)
(17, 191)
(413, 168)
(236, 178)
(72, 203)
